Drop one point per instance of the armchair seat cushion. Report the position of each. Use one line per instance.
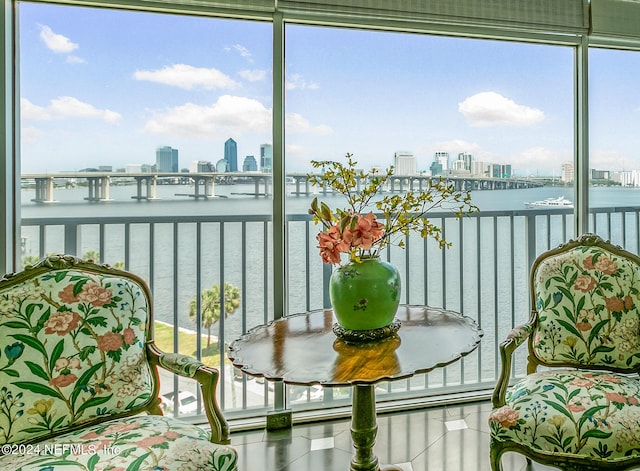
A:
(590, 414)
(151, 442)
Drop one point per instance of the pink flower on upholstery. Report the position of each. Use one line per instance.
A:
(63, 380)
(628, 302)
(90, 436)
(606, 265)
(67, 296)
(129, 336)
(61, 323)
(67, 363)
(610, 379)
(150, 441)
(584, 283)
(575, 407)
(95, 294)
(120, 428)
(588, 263)
(171, 435)
(505, 416)
(582, 383)
(614, 304)
(620, 399)
(583, 326)
(331, 245)
(109, 342)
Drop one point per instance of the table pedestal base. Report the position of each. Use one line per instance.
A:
(364, 429)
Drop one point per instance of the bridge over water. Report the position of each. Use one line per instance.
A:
(98, 183)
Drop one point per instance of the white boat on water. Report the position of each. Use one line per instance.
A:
(560, 202)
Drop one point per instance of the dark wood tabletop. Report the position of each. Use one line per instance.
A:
(302, 349)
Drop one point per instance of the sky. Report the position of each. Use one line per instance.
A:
(103, 87)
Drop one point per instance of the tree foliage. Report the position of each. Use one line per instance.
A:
(210, 306)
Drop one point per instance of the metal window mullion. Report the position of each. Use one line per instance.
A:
(461, 284)
(199, 290)
(223, 314)
(479, 290)
(581, 146)
(495, 295)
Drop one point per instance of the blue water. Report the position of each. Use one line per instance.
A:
(257, 285)
(230, 200)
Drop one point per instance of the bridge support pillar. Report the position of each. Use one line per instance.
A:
(44, 190)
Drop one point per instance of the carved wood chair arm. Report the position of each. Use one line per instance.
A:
(514, 339)
(206, 376)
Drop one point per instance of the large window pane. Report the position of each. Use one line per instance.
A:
(495, 117)
(141, 137)
(614, 114)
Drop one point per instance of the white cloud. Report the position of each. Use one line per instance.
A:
(253, 75)
(188, 77)
(297, 82)
(298, 124)
(491, 109)
(30, 111)
(65, 107)
(56, 42)
(229, 115)
(243, 51)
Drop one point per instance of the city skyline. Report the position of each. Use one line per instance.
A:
(97, 85)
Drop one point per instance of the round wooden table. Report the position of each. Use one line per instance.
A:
(303, 350)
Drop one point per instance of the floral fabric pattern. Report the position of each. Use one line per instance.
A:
(139, 442)
(587, 301)
(75, 351)
(73, 362)
(584, 408)
(588, 413)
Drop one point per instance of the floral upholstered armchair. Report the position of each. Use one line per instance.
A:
(79, 381)
(583, 410)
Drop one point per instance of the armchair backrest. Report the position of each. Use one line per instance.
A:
(586, 299)
(74, 347)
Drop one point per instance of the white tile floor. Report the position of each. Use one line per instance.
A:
(452, 438)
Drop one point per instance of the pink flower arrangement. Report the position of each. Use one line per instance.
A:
(357, 231)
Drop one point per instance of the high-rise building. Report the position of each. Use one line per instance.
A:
(167, 159)
(467, 158)
(266, 158)
(567, 172)
(231, 155)
(200, 166)
(222, 166)
(250, 164)
(404, 163)
(443, 159)
(436, 168)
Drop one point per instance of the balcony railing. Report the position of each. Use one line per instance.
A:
(484, 275)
